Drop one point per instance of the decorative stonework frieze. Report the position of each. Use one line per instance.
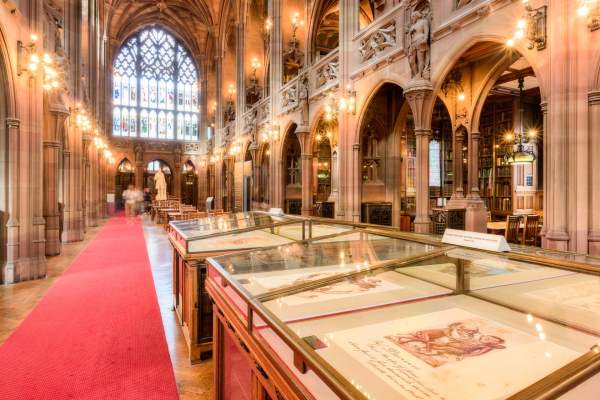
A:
(191, 148)
(379, 41)
(328, 73)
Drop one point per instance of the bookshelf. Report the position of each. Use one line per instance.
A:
(496, 186)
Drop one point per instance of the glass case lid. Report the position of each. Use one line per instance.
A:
(273, 270)
(225, 223)
(457, 315)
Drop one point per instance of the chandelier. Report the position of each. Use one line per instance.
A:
(521, 155)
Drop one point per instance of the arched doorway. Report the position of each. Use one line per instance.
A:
(124, 177)
(323, 168)
(327, 29)
(494, 98)
(442, 160)
(387, 158)
(151, 168)
(189, 184)
(292, 173)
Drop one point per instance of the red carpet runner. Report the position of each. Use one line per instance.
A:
(97, 334)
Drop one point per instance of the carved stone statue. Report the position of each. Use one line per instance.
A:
(303, 99)
(229, 114)
(139, 153)
(419, 56)
(160, 184)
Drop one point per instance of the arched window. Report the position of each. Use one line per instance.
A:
(155, 88)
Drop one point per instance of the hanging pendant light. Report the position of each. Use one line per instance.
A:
(522, 155)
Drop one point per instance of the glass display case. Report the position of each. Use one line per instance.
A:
(194, 240)
(366, 315)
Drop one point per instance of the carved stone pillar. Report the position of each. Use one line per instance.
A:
(335, 173)
(10, 271)
(419, 96)
(476, 216)
(303, 134)
(54, 130)
(422, 220)
(594, 171)
(255, 185)
(457, 166)
(85, 167)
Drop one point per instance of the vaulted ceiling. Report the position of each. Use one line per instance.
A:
(193, 21)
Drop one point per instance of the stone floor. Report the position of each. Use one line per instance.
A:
(193, 381)
(16, 301)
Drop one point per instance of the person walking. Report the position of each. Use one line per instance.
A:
(130, 197)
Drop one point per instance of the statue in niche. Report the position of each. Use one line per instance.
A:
(303, 99)
(61, 62)
(293, 60)
(139, 153)
(84, 86)
(229, 113)
(253, 91)
(419, 51)
(160, 184)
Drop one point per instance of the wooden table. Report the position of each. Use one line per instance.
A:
(499, 227)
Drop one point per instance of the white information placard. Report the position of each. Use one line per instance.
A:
(276, 211)
(475, 240)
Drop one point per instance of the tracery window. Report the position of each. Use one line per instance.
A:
(155, 88)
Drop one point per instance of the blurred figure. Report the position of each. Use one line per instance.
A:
(130, 199)
(139, 201)
(147, 200)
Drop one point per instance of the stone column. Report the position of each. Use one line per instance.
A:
(419, 95)
(85, 170)
(10, 271)
(303, 134)
(69, 233)
(594, 171)
(54, 130)
(92, 186)
(335, 173)
(457, 199)
(476, 216)
(254, 195)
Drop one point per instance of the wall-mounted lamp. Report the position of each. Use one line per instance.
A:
(270, 133)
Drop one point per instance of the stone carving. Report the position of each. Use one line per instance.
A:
(264, 111)
(462, 116)
(191, 148)
(462, 3)
(328, 73)
(293, 59)
(229, 113)
(296, 95)
(57, 24)
(139, 153)
(250, 120)
(160, 184)
(377, 42)
(159, 147)
(289, 96)
(253, 91)
(419, 40)
(303, 99)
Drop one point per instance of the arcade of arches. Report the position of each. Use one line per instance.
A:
(412, 114)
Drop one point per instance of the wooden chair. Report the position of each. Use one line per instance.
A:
(513, 225)
(531, 230)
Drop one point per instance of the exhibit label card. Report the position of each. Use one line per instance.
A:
(446, 355)
(475, 240)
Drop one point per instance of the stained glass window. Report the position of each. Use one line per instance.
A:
(155, 88)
